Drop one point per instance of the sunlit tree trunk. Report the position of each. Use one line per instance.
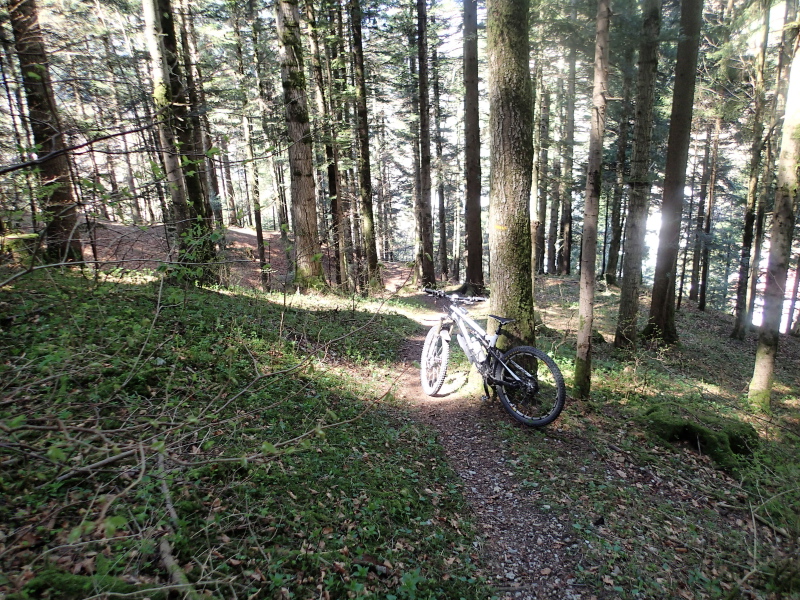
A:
(510, 124)
(58, 201)
(583, 357)
(189, 207)
(776, 107)
(786, 198)
(304, 204)
(661, 321)
(639, 182)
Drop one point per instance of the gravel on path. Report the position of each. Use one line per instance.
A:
(526, 551)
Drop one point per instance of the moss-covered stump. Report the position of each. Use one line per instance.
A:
(58, 585)
(724, 439)
(20, 245)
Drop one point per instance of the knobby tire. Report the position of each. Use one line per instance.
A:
(433, 366)
(540, 398)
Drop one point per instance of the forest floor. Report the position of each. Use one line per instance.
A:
(596, 506)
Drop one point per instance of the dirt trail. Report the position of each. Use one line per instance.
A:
(526, 553)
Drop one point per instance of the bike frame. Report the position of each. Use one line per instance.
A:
(469, 329)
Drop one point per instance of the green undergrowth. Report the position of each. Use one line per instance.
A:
(219, 443)
(669, 484)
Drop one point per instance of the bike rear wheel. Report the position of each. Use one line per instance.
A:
(433, 366)
(535, 393)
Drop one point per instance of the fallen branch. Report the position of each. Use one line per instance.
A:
(97, 465)
(176, 574)
(779, 530)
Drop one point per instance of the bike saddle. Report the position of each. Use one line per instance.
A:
(502, 320)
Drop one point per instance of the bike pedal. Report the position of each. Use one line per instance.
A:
(484, 398)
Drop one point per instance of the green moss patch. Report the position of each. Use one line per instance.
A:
(724, 439)
(66, 586)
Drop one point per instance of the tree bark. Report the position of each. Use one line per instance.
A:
(568, 146)
(424, 217)
(661, 321)
(622, 145)
(786, 198)
(541, 209)
(594, 179)
(694, 283)
(304, 207)
(742, 316)
(364, 175)
(793, 325)
(511, 152)
(59, 206)
(639, 183)
(190, 210)
(196, 94)
(442, 212)
(702, 295)
(473, 236)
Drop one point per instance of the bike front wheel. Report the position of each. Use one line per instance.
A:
(433, 366)
(530, 386)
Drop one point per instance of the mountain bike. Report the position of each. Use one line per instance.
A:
(528, 382)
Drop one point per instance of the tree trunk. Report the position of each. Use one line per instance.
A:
(541, 199)
(59, 205)
(189, 206)
(552, 230)
(741, 322)
(694, 283)
(793, 329)
(473, 236)
(689, 218)
(786, 198)
(711, 197)
(510, 124)
(773, 134)
(583, 357)
(639, 192)
(304, 205)
(661, 322)
(565, 252)
(437, 113)
(326, 128)
(233, 216)
(424, 216)
(336, 86)
(364, 175)
(196, 97)
(622, 145)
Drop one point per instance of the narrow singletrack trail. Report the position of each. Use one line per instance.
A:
(525, 551)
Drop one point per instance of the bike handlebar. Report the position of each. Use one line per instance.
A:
(454, 297)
